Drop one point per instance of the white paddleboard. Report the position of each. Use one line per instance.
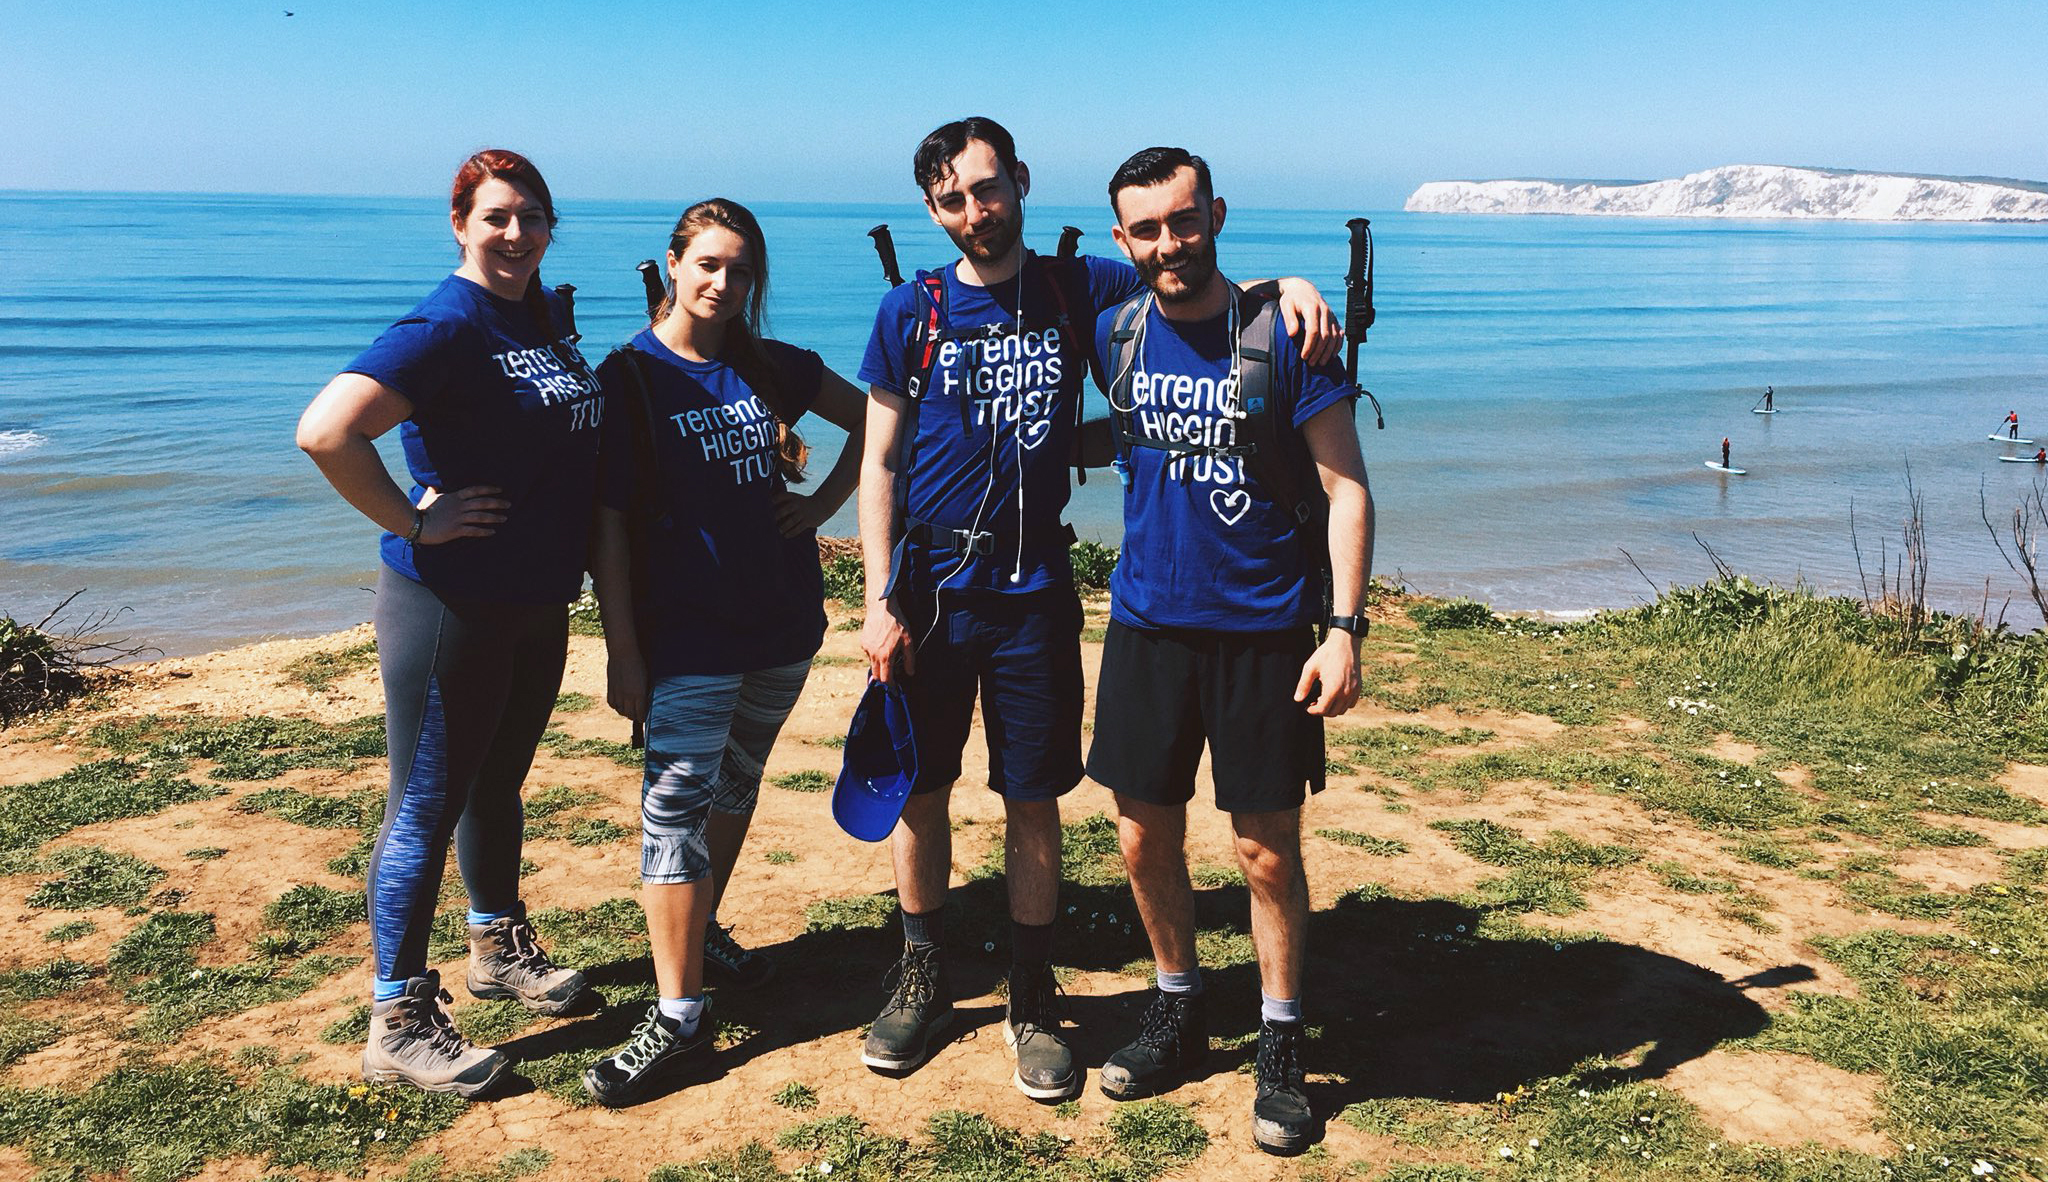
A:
(2008, 439)
(1730, 471)
(2020, 460)
(1757, 410)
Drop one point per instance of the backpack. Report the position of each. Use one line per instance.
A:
(1274, 452)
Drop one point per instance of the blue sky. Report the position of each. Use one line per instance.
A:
(1313, 105)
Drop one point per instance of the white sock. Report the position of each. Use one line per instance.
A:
(684, 1011)
(1279, 1009)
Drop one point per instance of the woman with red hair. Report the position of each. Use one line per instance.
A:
(498, 415)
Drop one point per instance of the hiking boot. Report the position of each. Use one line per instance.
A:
(655, 1052)
(1031, 1025)
(506, 962)
(918, 1010)
(732, 962)
(412, 1041)
(1173, 1038)
(1281, 1121)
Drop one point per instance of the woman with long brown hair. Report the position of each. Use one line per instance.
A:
(705, 563)
(498, 416)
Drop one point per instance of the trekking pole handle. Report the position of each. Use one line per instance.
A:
(1070, 241)
(657, 290)
(885, 247)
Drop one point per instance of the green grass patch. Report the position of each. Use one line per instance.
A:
(1548, 877)
(306, 808)
(569, 747)
(85, 877)
(307, 915)
(319, 671)
(254, 748)
(206, 853)
(849, 913)
(573, 703)
(101, 790)
(76, 929)
(799, 1097)
(178, 1001)
(1385, 847)
(807, 780)
(1211, 875)
(49, 979)
(779, 857)
(846, 579)
(351, 1029)
(158, 1122)
(22, 1037)
(163, 943)
(835, 742)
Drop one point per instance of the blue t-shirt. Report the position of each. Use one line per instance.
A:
(497, 400)
(1204, 545)
(728, 593)
(980, 447)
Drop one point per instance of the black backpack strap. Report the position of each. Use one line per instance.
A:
(1122, 362)
(928, 329)
(1068, 279)
(1279, 458)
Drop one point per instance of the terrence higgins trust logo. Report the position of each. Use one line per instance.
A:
(1011, 379)
(1202, 411)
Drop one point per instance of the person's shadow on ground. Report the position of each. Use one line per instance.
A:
(1409, 1001)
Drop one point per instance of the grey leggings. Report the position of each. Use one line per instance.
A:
(468, 688)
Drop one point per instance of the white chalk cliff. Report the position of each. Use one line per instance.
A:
(1753, 191)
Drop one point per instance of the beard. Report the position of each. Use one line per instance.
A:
(997, 240)
(1196, 272)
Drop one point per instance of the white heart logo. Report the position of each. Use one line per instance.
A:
(1035, 432)
(1229, 503)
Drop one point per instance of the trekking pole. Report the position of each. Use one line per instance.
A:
(657, 291)
(1358, 309)
(1070, 241)
(885, 247)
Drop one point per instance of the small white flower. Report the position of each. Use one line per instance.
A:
(989, 947)
(1534, 1143)
(1983, 1168)
(824, 1167)
(1507, 1151)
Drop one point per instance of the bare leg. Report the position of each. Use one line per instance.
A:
(1269, 852)
(1154, 840)
(1031, 859)
(676, 913)
(922, 848)
(725, 833)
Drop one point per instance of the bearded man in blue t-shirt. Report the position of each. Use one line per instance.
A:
(975, 378)
(1215, 601)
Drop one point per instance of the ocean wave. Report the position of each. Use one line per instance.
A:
(14, 443)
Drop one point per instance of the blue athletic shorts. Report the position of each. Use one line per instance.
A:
(1022, 653)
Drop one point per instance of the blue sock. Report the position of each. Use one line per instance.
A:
(1188, 982)
(382, 990)
(1274, 1009)
(480, 918)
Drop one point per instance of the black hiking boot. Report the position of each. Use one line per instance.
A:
(1173, 1039)
(1281, 1120)
(1031, 1026)
(917, 1012)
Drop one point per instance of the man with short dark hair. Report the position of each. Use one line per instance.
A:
(1242, 480)
(975, 373)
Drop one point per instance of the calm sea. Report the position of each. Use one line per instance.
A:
(1552, 387)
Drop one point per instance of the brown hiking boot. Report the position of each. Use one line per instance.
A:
(505, 961)
(412, 1041)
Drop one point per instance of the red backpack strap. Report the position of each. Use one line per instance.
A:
(924, 341)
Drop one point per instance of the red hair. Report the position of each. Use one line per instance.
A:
(509, 166)
(504, 165)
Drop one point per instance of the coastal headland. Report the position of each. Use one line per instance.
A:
(1749, 878)
(1752, 191)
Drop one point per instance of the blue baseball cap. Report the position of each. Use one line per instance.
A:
(880, 764)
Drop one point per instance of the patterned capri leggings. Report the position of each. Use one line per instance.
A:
(708, 737)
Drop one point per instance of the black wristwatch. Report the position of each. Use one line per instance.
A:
(1358, 625)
